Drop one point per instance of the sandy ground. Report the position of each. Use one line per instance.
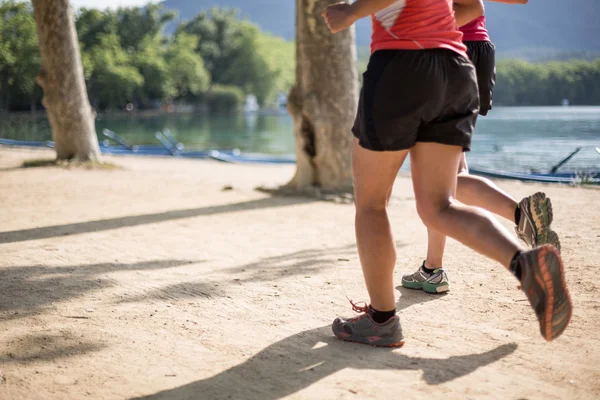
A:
(153, 282)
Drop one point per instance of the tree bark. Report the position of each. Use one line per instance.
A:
(323, 101)
(65, 96)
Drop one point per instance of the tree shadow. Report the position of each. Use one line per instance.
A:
(136, 220)
(299, 262)
(267, 269)
(303, 261)
(27, 290)
(45, 347)
(303, 359)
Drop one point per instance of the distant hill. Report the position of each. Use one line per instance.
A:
(572, 25)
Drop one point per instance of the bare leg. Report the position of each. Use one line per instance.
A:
(435, 186)
(474, 191)
(482, 192)
(374, 175)
(436, 245)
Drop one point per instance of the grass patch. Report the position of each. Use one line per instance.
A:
(68, 164)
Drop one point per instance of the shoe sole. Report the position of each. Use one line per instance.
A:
(558, 307)
(540, 208)
(429, 288)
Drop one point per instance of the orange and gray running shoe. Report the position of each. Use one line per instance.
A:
(543, 281)
(362, 329)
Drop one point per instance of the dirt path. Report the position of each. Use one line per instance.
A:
(153, 282)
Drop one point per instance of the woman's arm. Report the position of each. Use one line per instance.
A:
(466, 11)
(342, 15)
(364, 8)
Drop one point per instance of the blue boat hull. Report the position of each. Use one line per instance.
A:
(592, 178)
(234, 156)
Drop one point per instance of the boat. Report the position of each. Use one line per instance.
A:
(583, 177)
(26, 143)
(144, 150)
(552, 176)
(249, 158)
(171, 148)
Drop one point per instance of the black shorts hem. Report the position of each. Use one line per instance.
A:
(465, 143)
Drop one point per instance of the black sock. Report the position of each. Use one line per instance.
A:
(381, 316)
(517, 215)
(515, 267)
(427, 270)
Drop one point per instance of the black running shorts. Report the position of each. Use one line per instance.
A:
(483, 56)
(411, 96)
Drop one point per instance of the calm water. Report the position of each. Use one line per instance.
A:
(513, 139)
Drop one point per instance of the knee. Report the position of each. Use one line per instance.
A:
(370, 203)
(431, 212)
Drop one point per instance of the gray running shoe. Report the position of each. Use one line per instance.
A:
(543, 281)
(536, 217)
(436, 282)
(363, 329)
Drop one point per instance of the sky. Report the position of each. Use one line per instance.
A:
(107, 3)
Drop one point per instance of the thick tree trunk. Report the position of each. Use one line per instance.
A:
(65, 97)
(323, 101)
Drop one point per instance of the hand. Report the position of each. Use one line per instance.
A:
(338, 17)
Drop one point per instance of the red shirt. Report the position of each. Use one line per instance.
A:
(475, 31)
(417, 25)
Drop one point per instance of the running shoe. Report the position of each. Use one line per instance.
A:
(536, 217)
(362, 329)
(543, 281)
(436, 282)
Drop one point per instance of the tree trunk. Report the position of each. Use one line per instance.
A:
(65, 97)
(323, 101)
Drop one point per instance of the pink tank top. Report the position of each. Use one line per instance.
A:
(475, 31)
(416, 25)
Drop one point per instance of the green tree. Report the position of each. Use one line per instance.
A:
(186, 71)
(280, 57)
(523, 83)
(113, 79)
(19, 55)
(151, 64)
(136, 24)
(229, 49)
(92, 25)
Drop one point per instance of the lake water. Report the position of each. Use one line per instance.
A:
(509, 138)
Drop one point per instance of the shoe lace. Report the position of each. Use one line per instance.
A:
(356, 307)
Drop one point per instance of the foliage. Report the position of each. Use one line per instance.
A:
(113, 79)
(19, 54)
(128, 58)
(233, 51)
(221, 98)
(523, 83)
(280, 57)
(185, 69)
